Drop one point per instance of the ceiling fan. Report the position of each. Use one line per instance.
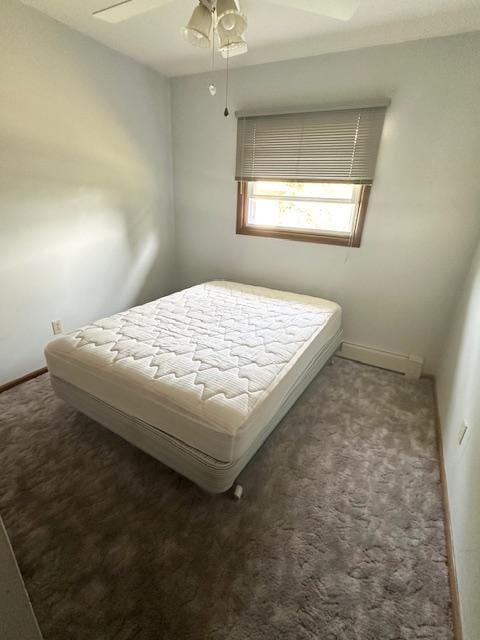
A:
(222, 17)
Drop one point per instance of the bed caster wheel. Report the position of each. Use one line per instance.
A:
(237, 492)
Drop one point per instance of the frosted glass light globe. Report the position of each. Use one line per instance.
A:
(228, 21)
(213, 89)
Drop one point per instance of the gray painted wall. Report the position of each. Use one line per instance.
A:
(398, 288)
(458, 388)
(86, 215)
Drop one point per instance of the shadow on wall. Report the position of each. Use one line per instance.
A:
(85, 184)
(88, 243)
(75, 254)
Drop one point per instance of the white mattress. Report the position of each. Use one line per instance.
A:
(208, 365)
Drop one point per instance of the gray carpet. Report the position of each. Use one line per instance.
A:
(339, 536)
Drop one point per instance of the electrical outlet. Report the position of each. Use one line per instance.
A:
(57, 327)
(462, 433)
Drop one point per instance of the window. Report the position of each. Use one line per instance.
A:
(332, 213)
(307, 176)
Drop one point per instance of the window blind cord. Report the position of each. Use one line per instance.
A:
(243, 148)
(354, 146)
(354, 149)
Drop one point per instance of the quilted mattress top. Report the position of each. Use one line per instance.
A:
(213, 351)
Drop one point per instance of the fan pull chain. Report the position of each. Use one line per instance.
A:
(226, 112)
(212, 87)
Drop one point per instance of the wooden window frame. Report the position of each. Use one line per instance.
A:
(352, 240)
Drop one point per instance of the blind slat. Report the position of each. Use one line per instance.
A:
(338, 145)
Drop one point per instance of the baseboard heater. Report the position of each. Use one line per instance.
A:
(410, 365)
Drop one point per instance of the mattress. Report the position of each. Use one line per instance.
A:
(209, 366)
(208, 473)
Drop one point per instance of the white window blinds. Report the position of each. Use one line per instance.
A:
(338, 145)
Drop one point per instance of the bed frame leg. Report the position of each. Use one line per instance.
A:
(237, 492)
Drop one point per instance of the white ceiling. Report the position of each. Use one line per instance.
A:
(274, 32)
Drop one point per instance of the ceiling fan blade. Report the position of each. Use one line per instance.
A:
(124, 9)
(339, 9)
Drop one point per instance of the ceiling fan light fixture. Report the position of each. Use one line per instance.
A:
(230, 18)
(230, 44)
(237, 49)
(199, 27)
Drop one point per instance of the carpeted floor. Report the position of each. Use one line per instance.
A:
(339, 536)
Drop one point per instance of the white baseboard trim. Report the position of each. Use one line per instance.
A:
(410, 365)
(452, 566)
